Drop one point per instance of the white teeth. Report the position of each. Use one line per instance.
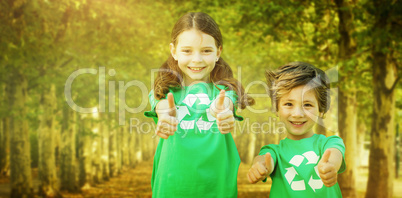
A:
(196, 68)
(298, 123)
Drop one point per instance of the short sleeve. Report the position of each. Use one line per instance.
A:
(233, 96)
(337, 142)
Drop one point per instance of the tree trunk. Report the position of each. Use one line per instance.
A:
(67, 153)
(131, 148)
(85, 157)
(381, 167)
(347, 129)
(125, 153)
(97, 150)
(49, 184)
(119, 143)
(385, 78)
(20, 156)
(361, 133)
(104, 130)
(138, 147)
(347, 98)
(5, 139)
(113, 148)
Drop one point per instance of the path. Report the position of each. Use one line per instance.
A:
(136, 183)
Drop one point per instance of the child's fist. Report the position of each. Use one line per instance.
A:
(327, 170)
(261, 169)
(167, 121)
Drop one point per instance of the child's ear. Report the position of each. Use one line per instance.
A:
(173, 51)
(322, 115)
(218, 54)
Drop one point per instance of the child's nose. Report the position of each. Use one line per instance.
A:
(197, 57)
(298, 112)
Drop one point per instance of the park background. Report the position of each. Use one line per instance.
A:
(51, 149)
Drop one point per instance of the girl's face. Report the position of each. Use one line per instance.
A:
(196, 54)
(298, 110)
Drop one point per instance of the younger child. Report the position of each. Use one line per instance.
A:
(193, 101)
(304, 164)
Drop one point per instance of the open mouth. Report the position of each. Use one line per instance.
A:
(297, 124)
(196, 69)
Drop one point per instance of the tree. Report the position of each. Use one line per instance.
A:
(4, 137)
(68, 179)
(347, 96)
(385, 34)
(49, 186)
(20, 158)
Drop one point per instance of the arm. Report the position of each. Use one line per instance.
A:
(329, 165)
(222, 109)
(262, 167)
(167, 121)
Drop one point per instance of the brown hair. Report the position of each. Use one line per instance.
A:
(294, 74)
(170, 75)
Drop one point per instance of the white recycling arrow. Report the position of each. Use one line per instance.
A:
(297, 160)
(187, 124)
(315, 183)
(298, 185)
(190, 99)
(209, 116)
(203, 125)
(311, 157)
(204, 99)
(182, 111)
(290, 174)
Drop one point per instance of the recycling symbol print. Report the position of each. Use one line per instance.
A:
(183, 111)
(296, 161)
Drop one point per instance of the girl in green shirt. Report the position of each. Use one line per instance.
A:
(193, 101)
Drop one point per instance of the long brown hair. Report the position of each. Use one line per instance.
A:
(170, 75)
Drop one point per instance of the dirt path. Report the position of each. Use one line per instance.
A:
(136, 183)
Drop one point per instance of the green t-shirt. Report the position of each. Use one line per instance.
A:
(296, 173)
(197, 161)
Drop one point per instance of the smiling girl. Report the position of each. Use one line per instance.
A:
(193, 101)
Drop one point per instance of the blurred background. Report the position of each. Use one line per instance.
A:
(75, 77)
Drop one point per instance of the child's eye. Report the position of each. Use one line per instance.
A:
(186, 51)
(288, 104)
(308, 105)
(207, 51)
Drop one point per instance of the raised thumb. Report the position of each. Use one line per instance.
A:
(326, 155)
(220, 102)
(172, 106)
(268, 158)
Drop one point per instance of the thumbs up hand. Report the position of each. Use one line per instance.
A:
(221, 109)
(167, 121)
(327, 170)
(261, 169)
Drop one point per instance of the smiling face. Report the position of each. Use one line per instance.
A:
(298, 110)
(196, 54)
